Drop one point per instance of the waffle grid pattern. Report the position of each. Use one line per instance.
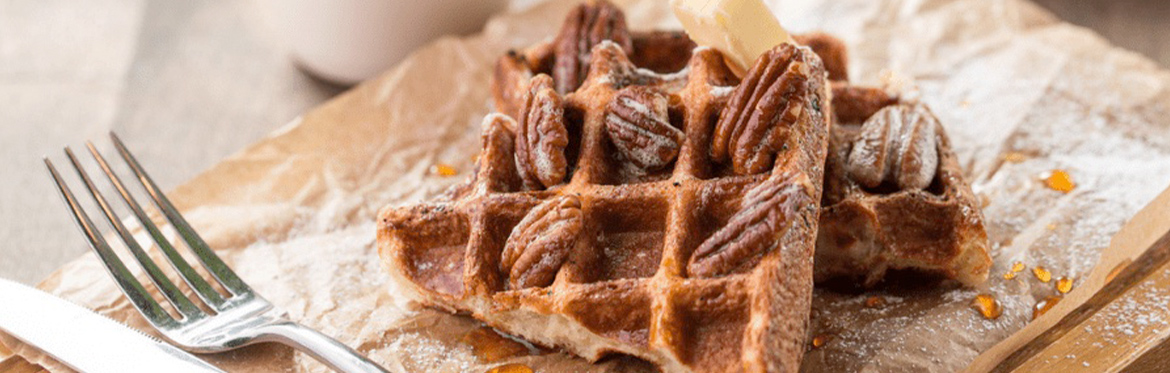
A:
(624, 287)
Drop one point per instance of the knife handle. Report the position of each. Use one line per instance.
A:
(321, 347)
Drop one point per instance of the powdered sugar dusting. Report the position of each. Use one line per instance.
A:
(722, 91)
(543, 159)
(639, 107)
(1140, 314)
(417, 353)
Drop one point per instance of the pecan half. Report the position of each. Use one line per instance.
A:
(897, 145)
(541, 136)
(781, 89)
(609, 65)
(765, 215)
(539, 245)
(586, 25)
(509, 82)
(637, 122)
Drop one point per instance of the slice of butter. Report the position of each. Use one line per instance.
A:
(741, 29)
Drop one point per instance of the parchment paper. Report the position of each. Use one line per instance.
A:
(294, 213)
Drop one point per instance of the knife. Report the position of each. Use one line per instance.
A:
(83, 340)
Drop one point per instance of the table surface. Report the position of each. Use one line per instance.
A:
(186, 83)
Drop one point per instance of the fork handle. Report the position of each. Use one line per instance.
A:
(321, 347)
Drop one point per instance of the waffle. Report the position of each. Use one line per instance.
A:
(670, 242)
(935, 227)
(866, 228)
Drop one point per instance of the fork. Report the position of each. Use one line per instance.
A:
(239, 319)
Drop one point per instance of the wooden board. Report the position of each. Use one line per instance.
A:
(1126, 322)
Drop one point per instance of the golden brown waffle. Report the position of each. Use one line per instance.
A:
(869, 226)
(670, 241)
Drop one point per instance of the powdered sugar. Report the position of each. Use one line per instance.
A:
(417, 353)
(1140, 314)
(722, 91)
(640, 108)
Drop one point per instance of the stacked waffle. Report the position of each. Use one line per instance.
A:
(635, 196)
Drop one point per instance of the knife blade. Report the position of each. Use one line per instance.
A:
(84, 340)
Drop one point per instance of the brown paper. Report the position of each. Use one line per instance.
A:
(1020, 93)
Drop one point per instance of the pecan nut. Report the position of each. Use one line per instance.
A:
(637, 122)
(509, 82)
(898, 145)
(781, 89)
(539, 245)
(612, 67)
(586, 26)
(541, 136)
(765, 215)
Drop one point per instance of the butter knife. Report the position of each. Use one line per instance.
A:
(84, 340)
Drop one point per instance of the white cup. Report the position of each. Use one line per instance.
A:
(347, 41)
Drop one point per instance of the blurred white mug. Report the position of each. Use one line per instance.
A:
(347, 41)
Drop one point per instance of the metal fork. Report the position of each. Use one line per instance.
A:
(239, 319)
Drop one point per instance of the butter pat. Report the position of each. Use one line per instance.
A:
(741, 29)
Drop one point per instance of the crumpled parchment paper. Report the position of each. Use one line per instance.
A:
(1020, 94)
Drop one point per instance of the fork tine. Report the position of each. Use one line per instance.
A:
(134, 291)
(164, 284)
(192, 278)
(210, 260)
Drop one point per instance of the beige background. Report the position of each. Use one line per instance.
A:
(186, 83)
